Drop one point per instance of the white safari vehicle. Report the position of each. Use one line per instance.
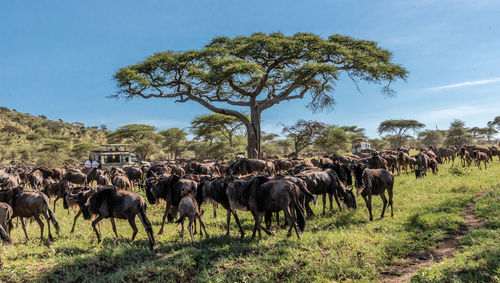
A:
(115, 155)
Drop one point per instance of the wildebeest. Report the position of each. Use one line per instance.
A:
(273, 196)
(5, 221)
(403, 161)
(322, 182)
(112, 203)
(134, 174)
(99, 176)
(76, 177)
(479, 156)
(77, 197)
(56, 190)
(245, 166)
(10, 180)
(30, 204)
(54, 173)
(422, 165)
(121, 181)
(375, 182)
(171, 189)
(36, 179)
(188, 207)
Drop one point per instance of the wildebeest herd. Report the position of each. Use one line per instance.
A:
(263, 187)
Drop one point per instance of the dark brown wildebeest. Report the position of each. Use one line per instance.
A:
(109, 202)
(56, 190)
(282, 165)
(30, 204)
(375, 182)
(171, 189)
(157, 170)
(323, 182)
(495, 152)
(245, 166)
(392, 162)
(6, 214)
(177, 170)
(134, 174)
(479, 156)
(273, 196)
(343, 172)
(99, 176)
(375, 161)
(403, 161)
(54, 173)
(188, 207)
(36, 179)
(76, 177)
(422, 165)
(446, 154)
(76, 198)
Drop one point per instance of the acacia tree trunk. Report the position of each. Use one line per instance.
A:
(253, 134)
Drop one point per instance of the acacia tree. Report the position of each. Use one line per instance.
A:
(399, 128)
(431, 137)
(226, 125)
(258, 72)
(133, 132)
(333, 139)
(458, 134)
(174, 141)
(303, 133)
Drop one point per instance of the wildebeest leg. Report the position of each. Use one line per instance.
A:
(202, 225)
(57, 197)
(24, 228)
(330, 199)
(238, 222)
(46, 215)
(384, 205)
(190, 228)
(167, 209)
(268, 219)
(389, 192)
(368, 201)
(74, 221)
(113, 225)
(131, 221)
(324, 203)
(291, 220)
(228, 220)
(94, 223)
(336, 200)
(278, 218)
(40, 223)
(308, 209)
(182, 231)
(215, 206)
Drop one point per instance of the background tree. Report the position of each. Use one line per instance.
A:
(354, 133)
(82, 150)
(332, 140)
(303, 133)
(174, 141)
(431, 137)
(258, 72)
(132, 132)
(399, 128)
(457, 134)
(225, 125)
(285, 145)
(145, 148)
(495, 123)
(379, 144)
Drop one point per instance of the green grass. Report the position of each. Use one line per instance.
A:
(337, 246)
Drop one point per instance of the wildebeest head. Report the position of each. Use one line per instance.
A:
(82, 199)
(350, 199)
(151, 184)
(358, 174)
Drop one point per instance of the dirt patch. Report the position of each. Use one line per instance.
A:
(404, 269)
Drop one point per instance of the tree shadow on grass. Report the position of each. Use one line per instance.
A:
(123, 260)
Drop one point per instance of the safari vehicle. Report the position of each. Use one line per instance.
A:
(361, 146)
(115, 155)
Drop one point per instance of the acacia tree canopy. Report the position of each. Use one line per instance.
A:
(399, 128)
(133, 132)
(257, 72)
(303, 133)
(225, 125)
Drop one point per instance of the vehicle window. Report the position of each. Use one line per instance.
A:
(135, 159)
(124, 158)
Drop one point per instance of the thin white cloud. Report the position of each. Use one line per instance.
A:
(469, 83)
(456, 112)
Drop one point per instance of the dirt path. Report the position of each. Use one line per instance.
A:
(404, 269)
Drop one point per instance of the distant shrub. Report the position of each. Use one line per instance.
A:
(458, 171)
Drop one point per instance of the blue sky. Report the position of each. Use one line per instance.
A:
(58, 57)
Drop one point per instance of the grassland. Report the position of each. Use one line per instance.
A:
(335, 247)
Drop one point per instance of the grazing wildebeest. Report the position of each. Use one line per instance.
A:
(112, 203)
(377, 162)
(273, 196)
(134, 174)
(6, 214)
(36, 179)
(479, 156)
(29, 204)
(56, 190)
(323, 182)
(171, 189)
(188, 207)
(282, 165)
(76, 177)
(422, 165)
(446, 154)
(374, 182)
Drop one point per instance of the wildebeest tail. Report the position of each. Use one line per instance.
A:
(65, 202)
(147, 225)
(3, 235)
(301, 219)
(54, 220)
(307, 193)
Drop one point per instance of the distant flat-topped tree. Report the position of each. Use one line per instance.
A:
(399, 128)
(258, 72)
